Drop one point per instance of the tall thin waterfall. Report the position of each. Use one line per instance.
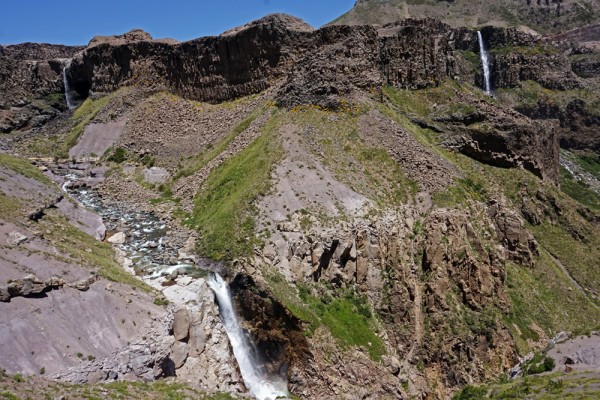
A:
(486, 63)
(261, 386)
(68, 97)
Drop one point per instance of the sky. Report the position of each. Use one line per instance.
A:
(75, 22)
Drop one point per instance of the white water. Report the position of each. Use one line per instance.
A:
(68, 98)
(486, 63)
(259, 384)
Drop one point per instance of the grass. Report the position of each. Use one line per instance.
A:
(366, 168)
(23, 167)
(539, 49)
(578, 190)
(553, 386)
(346, 315)
(117, 155)
(541, 296)
(224, 208)
(580, 257)
(58, 146)
(159, 390)
(349, 319)
(83, 115)
(74, 243)
(10, 208)
(196, 163)
(590, 163)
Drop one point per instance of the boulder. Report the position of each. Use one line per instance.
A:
(156, 175)
(181, 324)
(16, 238)
(117, 238)
(179, 353)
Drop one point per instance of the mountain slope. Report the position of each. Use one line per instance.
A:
(541, 16)
(387, 228)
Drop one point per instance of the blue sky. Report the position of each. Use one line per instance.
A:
(77, 21)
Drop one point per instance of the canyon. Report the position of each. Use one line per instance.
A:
(390, 218)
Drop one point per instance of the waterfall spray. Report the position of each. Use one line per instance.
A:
(486, 64)
(68, 98)
(261, 385)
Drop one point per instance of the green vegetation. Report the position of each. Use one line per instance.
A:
(118, 155)
(542, 297)
(580, 257)
(349, 319)
(23, 167)
(345, 314)
(58, 145)
(589, 162)
(539, 364)
(196, 163)
(8, 396)
(464, 189)
(538, 49)
(161, 301)
(470, 393)
(10, 208)
(83, 115)
(580, 386)
(366, 168)
(224, 208)
(472, 58)
(579, 190)
(122, 390)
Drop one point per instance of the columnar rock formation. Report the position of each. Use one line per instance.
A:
(324, 67)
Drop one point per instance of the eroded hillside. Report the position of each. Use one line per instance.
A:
(387, 228)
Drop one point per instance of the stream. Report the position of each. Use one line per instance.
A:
(154, 252)
(147, 241)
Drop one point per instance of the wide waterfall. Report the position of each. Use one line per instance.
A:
(486, 64)
(68, 98)
(260, 385)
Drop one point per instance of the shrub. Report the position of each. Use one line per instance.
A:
(470, 393)
(118, 156)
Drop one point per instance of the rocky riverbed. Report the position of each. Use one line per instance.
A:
(189, 341)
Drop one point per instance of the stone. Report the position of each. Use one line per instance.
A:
(197, 340)
(4, 294)
(16, 238)
(156, 175)
(181, 324)
(117, 238)
(179, 353)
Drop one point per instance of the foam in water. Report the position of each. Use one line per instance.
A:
(260, 385)
(68, 98)
(486, 64)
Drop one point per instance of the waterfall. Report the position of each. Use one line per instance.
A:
(486, 64)
(261, 386)
(68, 98)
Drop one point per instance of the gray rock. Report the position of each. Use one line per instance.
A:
(156, 175)
(16, 238)
(181, 324)
(197, 340)
(117, 238)
(4, 295)
(179, 353)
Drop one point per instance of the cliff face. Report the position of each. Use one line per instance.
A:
(345, 173)
(29, 74)
(315, 65)
(325, 67)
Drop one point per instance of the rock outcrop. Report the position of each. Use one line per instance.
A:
(30, 78)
